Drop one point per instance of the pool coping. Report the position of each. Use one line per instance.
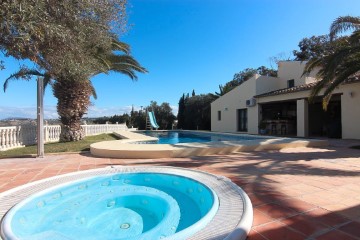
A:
(235, 207)
(127, 147)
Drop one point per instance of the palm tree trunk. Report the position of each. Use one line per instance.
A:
(73, 101)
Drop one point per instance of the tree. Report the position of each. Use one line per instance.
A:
(68, 42)
(72, 104)
(73, 93)
(124, 118)
(163, 114)
(197, 115)
(193, 93)
(264, 71)
(340, 64)
(60, 36)
(315, 47)
(139, 121)
(225, 89)
(71, 114)
(132, 115)
(243, 76)
(181, 112)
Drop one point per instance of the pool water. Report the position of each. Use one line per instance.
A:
(174, 137)
(118, 206)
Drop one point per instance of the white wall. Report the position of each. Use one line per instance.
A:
(228, 105)
(266, 84)
(350, 108)
(350, 111)
(236, 99)
(302, 116)
(293, 70)
(19, 136)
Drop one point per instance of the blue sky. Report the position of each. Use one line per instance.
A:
(191, 44)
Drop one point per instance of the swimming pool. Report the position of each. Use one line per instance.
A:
(174, 137)
(135, 144)
(127, 206)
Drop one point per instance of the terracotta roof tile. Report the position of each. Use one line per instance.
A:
(300, 88)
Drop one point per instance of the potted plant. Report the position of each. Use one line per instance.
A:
(262, 127)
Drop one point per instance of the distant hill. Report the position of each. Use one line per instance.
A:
(25, 121)
(16, 122)
(16, 119)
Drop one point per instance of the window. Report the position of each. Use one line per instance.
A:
(242, 120)
(291, 83)
(219, 115)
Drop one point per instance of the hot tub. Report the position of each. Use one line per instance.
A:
(128, 203)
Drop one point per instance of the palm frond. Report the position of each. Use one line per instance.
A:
(342, 76)
(354, 38)
(343, 24)
(335, 61)
(325, 101)
(47, 81)
(316, 90)
(311, 65)
(120, 46)
(93, 91)
(104, 62)
(22, 74)
(342, 63)
(344, 70)
(126, 71)
(124, 61)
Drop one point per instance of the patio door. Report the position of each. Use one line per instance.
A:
(325, 123)
(242, 120)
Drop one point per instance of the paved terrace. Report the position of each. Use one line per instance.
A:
(297, 193)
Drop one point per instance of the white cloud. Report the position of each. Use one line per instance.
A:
(50, 112)
(95, 111)
(26, 112)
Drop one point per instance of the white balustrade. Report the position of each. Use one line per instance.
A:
(19, 136)
(52, 133)
(9, 137)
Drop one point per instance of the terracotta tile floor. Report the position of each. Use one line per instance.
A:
(297, 193)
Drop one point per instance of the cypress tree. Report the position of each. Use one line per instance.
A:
(181, 112)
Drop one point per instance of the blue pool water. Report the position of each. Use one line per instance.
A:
(119, 206)
(173, 137)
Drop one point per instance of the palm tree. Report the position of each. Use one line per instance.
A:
(74, 95)
(224, 89)
(342, 64)
(74, 92)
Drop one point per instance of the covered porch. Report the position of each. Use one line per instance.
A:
(278, 118)
(298, 117)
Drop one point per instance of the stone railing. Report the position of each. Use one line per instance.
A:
(18, 136)
(102, 128)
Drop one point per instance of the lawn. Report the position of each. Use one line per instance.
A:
(79, 146)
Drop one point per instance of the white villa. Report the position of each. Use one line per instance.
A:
(280, 106)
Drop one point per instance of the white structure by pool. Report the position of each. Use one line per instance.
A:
(282, 103)
(127, 147)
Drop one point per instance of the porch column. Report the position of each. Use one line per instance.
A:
(260, 117)
(302, 118)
